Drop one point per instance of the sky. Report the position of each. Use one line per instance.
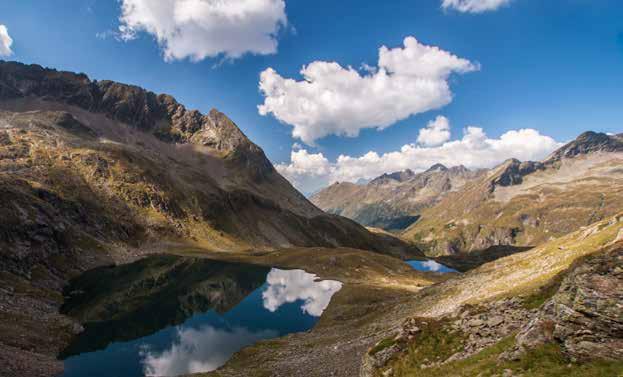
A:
(347, 90)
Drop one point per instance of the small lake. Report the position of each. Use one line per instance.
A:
(429, 266)
(166, 316)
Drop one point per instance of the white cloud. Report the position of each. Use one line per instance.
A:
(335, 100)
(310, 172)
(474, 6)
(287, 286)
(199, 350)
(5, 42)
(436, 132)
(197, 29)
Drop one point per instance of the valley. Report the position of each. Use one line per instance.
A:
(141, 238)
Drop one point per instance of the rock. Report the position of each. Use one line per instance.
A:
(495, 321)
(585, 315)
(476, 323)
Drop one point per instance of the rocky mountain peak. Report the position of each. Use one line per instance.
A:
(588, 142)
(399, 176)
(512, 171)
(159, 114)
(437, 168)
(460, 169)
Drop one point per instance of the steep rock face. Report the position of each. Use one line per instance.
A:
(393, 201)
(512, 171)
(585, 315)
(523, 204)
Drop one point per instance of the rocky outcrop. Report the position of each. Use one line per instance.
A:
(512, 171)
(475, 327)
(585, 316)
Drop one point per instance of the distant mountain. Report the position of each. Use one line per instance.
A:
(393, 201)
(522, 204)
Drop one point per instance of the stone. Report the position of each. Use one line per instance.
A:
(495, 321)
(584, 316)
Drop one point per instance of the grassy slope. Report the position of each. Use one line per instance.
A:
(543, 361)
(519, 274)
(533, 275)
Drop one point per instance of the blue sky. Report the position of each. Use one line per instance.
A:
(554, 66)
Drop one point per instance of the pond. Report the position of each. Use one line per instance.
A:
(166, 316)
(430, 266)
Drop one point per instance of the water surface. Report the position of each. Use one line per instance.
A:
(166, 316)
(430, 266)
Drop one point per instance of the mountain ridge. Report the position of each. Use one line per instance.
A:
(392, 201)
(523, 204)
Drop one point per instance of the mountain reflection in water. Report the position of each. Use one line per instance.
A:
(165, 315)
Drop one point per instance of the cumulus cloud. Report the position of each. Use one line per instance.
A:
(197, 29)
(288, 286)
(199, 350)
(312, 171)
(5, 42)
(474, 6)
(436, 132)
(332, 99)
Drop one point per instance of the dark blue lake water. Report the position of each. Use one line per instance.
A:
(429, 266)
(286, 301)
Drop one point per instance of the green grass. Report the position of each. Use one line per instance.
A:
(543, 361)
(383, 344)
(543, 293)
(434, 343)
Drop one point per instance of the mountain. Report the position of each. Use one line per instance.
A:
(523, 204)
(393, 201)
(99, 162)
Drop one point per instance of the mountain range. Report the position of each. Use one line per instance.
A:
(393, 201)
(524, 204)
(449, 211)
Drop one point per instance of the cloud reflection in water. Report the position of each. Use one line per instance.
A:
(287, 286)
(199, 350)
